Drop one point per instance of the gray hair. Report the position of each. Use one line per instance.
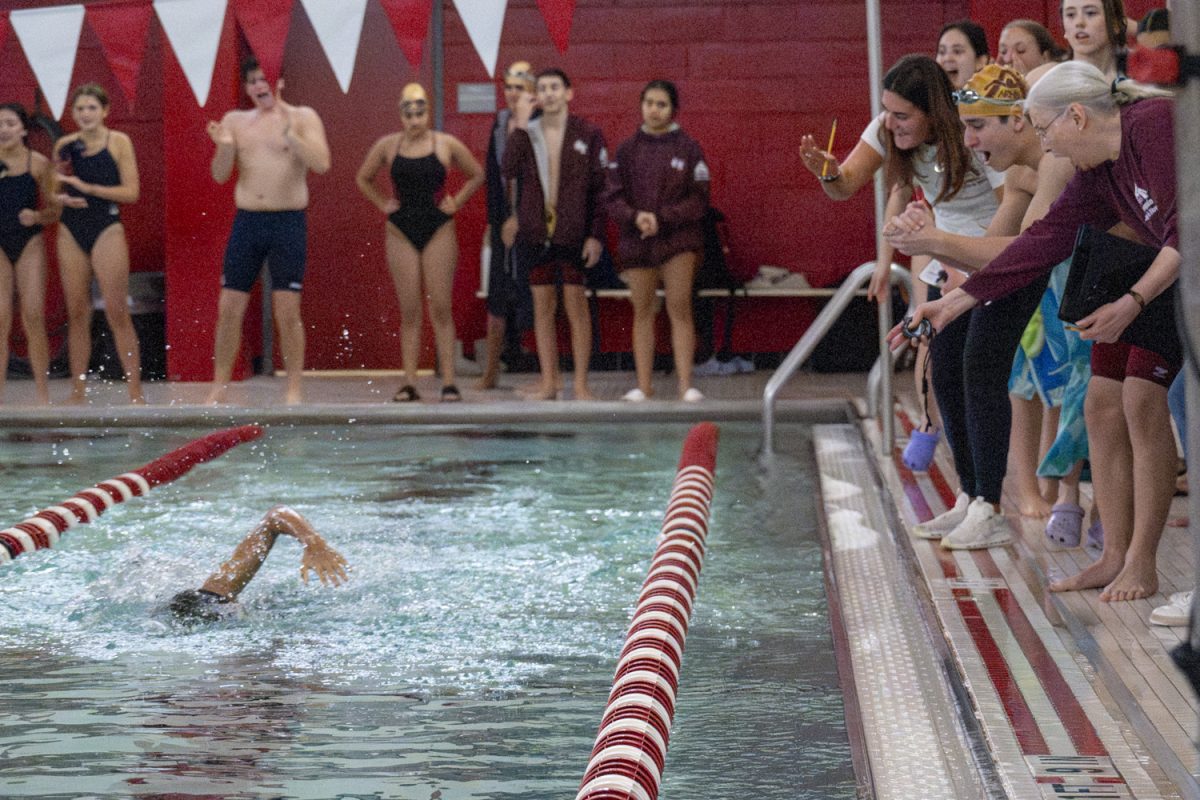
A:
(1083, 83)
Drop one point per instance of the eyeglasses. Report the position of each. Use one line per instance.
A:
(514, 87)
(966, 97)
(1042, 130)
(413, 114)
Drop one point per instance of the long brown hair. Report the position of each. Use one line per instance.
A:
(920, 81)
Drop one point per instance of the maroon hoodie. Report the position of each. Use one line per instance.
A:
(580, 184)
(665, 175)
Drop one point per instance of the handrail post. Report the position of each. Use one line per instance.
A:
(898, 275)
(817, 331)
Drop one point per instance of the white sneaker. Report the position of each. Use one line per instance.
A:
(945, 522)
(1175, 613)
(634, 396)
(693, 395)
(982, 527)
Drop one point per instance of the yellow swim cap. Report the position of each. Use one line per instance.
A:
(994, 91)
(413, 94)
(522, 71)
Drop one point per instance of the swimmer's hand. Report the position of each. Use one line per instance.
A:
(647, 223)
(913, 232)
(326, 563)
(815, 159)
(70, 201)
(28, 217)
(390, 206)
(220, 134)
(523, 112)
(508, 231)
(591, 252)
(448, 205)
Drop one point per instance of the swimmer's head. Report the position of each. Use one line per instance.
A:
(413, 101)
(993, 91)
(13, 116)
(89, 105)
(961, 50)
(520, 72)
(193, 606)
(991, 106)
(553, 90)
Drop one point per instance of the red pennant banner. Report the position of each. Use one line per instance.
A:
(266, 24)
(558, 15)
(410, 21)
(122, 30)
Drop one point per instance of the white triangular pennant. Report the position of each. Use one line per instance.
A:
(50, 39)
(484, 20)
(194, 29)
(338, 24)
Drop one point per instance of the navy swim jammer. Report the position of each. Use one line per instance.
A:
(278, 237)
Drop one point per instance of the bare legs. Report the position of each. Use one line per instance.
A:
(419, 276)
(231, 311)
(1128, 432)
(30, 280)
(545, 309)
(1024, 450)
(496, 328)
(109, 261)
(677, 275)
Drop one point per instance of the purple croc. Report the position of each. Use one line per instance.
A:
(918, 455)
(1065, 526)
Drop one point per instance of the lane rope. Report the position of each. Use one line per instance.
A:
(631, 747)
(43, 529)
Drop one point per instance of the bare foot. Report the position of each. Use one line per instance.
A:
(293, 397)
(1178, 522)
(1134, 582)
(139, 400)
(536, 387)
(216, 395)
(1032, 505)
(1094, 576)
(486, 382)
(584, 394)
(543, 393)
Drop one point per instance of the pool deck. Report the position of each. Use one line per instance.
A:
(1065, 696)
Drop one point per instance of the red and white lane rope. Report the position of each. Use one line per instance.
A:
(43, 528)
(631, 747)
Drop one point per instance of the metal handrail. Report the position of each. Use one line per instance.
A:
(817, 331)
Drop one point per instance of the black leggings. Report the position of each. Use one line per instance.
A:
(971, 364)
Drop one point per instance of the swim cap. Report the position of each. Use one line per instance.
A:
(993, 91)
(522, 71)
(413, 94)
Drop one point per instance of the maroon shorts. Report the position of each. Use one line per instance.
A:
(1118, 361)
(556, 265)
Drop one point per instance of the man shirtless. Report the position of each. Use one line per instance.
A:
(558, 161)
(273, 145)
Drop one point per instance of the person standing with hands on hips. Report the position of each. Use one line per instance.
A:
(274, 146)
(558, 161)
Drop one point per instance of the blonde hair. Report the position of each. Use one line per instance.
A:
(1083, 83)
(413, 93)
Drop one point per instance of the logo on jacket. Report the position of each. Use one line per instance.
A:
(700, 173)
(678, 163)
(1149, 207)
(581, 147)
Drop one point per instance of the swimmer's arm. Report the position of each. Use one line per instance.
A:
(465, 161)
(1054, 173)
(365, 177)
(51, 209)
(306, 134)
(854, 173)
(128, 190)
(225, 155)
(319, 558)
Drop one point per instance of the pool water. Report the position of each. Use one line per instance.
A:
(470, 655)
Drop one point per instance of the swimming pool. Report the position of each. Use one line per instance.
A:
(471, 654)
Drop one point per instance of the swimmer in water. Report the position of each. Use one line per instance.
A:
(217, 597)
